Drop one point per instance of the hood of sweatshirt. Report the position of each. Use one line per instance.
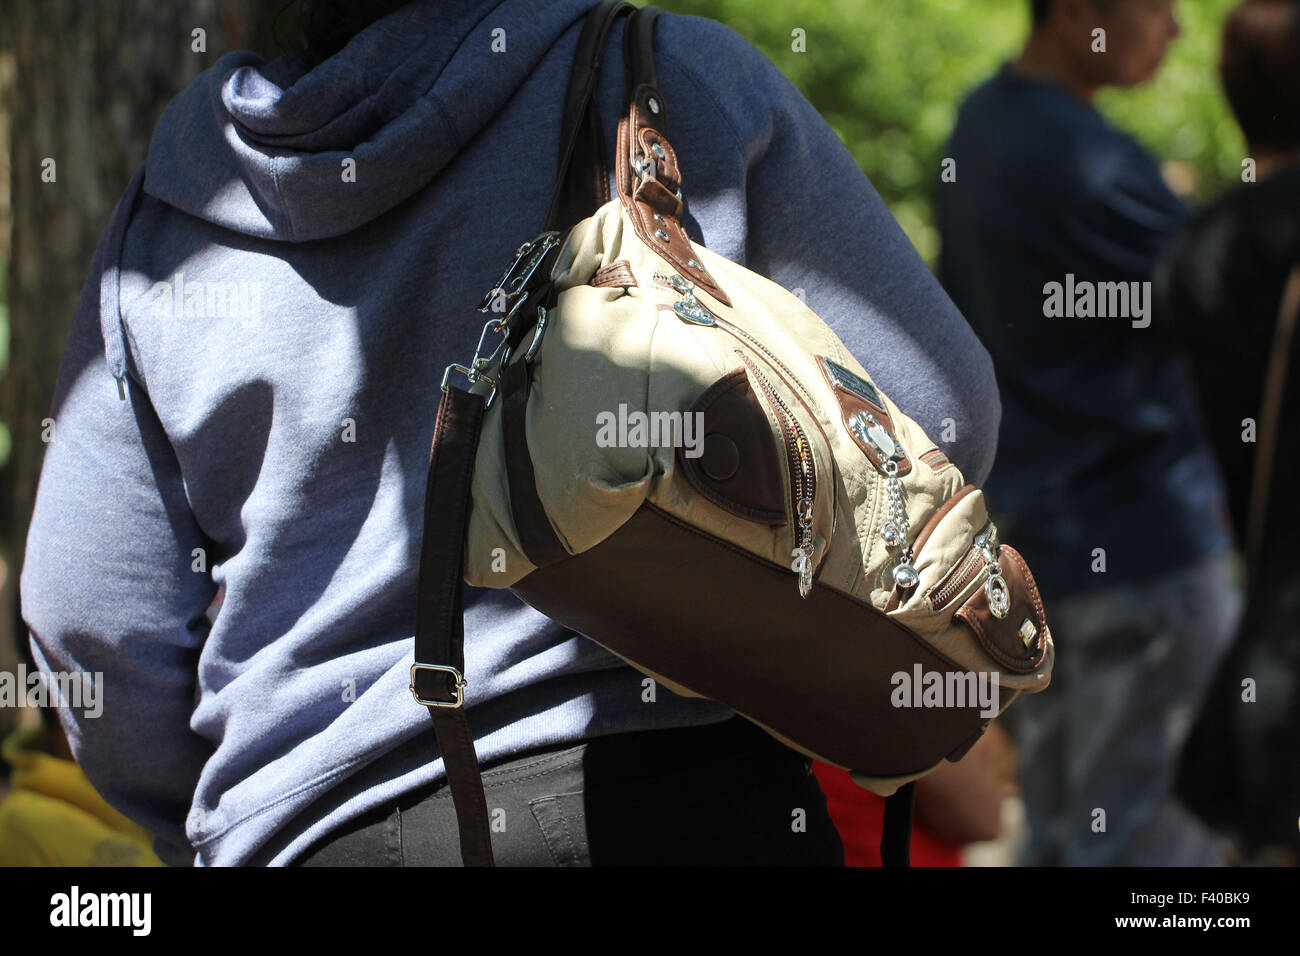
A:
(261, 147)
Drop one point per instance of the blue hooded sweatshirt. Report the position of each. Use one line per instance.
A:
(276, 296)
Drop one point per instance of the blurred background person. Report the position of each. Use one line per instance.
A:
(1219, 292)
(1103, 478)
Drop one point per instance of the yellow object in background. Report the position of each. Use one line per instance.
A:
(54, 817)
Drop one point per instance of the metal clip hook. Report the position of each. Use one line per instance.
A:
(538, 332)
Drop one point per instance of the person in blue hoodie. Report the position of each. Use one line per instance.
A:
(246, 403)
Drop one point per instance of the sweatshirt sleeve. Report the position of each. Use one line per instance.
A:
(107, 587)
(814, 222)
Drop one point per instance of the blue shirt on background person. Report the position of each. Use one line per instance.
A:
(1101, 443)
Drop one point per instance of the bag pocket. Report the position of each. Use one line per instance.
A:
(738, 468)
(977, 601)
(957, 573)
(762, 462)
(1006, 614)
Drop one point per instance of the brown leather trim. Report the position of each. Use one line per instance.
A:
(1001, 638)
(651, 201)
(965, 747)
(817, 671)
(851, 403)
(928, 528)
(780, 371)
(741, 468)
(616, 273)
(936, 459)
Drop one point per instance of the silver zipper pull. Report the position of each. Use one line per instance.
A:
(803, 554)
(688, 308)
(996, 590)
(678, 282)
(894, 530)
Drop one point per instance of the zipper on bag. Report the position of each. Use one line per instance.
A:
(799, 457)
(965, 571)
(686, 288)
(803, 476)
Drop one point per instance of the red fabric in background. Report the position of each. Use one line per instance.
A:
(859, 815)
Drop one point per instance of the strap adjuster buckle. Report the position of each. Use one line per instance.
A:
(459, 683)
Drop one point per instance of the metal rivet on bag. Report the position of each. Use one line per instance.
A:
(998, 595)
(659, 219)
(1028, 631)
(662, 236)
(653, 104)
(693, 264)
(658, 150)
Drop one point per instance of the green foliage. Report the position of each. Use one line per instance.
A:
(888, 76)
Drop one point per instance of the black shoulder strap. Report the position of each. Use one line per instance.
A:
(582, 183)
(638, 56)
(896, 836)
(581, 187)
(437, 677)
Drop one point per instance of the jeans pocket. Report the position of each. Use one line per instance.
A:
(562, 820)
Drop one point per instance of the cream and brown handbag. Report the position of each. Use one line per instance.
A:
(675, 457)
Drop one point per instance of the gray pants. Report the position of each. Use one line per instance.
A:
(1100, 747)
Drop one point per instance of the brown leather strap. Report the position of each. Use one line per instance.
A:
(1270, 418)
(647, 173)
(437, 677)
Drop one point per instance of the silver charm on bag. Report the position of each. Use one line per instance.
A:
(688, 308)
(894, 530)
